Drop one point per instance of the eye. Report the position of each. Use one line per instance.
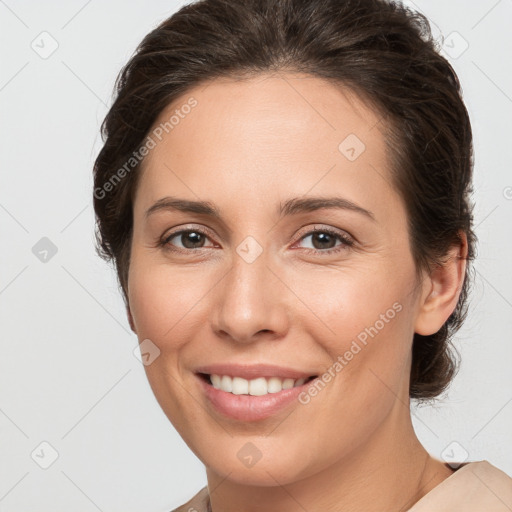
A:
(189, 239)
(323, 240)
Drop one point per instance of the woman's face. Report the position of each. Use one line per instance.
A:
(251, 283)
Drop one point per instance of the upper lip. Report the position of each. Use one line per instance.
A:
(254, 371)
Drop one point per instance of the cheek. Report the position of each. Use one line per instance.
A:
(163, 299)
(363, 321)
(345, 303)
(368, 341)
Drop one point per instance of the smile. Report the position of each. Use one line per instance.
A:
(251, 393)
(254, 387)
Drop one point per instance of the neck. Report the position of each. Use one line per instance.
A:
(390, 471)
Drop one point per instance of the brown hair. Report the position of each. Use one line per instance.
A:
(381, 50)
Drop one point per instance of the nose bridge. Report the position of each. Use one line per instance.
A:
(249, 300)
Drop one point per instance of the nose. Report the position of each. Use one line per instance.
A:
(250, 302)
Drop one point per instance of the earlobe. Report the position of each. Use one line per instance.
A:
(445, 286)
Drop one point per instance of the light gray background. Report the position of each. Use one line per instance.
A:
(68, 375)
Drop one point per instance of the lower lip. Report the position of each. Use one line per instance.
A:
(248, 407)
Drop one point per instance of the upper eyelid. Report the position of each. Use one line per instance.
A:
(321, 227)
(179, 231)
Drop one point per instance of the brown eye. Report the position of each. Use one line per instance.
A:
(325, 240)
(185, 239)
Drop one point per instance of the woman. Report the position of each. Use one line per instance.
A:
(285, 191)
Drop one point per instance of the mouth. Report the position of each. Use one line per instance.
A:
(258, 386)
(254, 399)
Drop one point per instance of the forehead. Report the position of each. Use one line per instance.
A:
(284, 113)
(272, 133)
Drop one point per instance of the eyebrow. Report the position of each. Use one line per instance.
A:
(309, 204)
(292, 206)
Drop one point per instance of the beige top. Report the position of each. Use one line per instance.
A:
(473, 487)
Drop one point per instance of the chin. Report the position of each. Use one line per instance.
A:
(257, 461)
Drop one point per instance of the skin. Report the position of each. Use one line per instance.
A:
(247, 146)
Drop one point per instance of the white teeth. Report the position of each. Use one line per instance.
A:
(226, 383)
(240, 386)
(258, 387)
(288, 383)
(255, 387)
(274, 385)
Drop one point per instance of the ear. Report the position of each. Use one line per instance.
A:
(130, 319)
(442, 290)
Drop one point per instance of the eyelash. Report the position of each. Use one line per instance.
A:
(347, 242)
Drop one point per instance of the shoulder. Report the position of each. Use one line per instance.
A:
(490, 484)
(475, 486)
(198, 503)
